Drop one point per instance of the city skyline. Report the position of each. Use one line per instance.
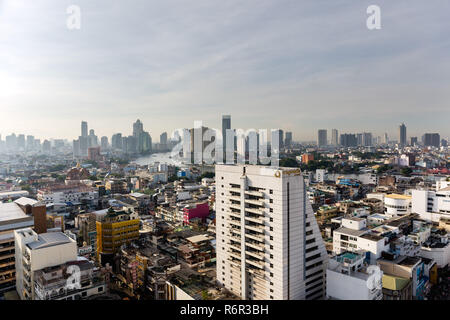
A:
(314, 77)
(327, 139)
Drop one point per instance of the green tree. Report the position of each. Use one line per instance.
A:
(289, 162)
(406, 171)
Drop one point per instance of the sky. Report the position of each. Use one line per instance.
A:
(299, 65)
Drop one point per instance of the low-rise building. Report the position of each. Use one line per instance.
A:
(38, 251)
(350, 278)
(397, 205)
(61, 283)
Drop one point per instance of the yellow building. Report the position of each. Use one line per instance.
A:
(114, 230)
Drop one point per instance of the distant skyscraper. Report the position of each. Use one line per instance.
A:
(322, 138)
(385, 138)
(163, 140)
(414, 141)
(359, 139)
(92, 139)
(21, 142)
(145, 142)
(367, 139)
(84, 129)
(116, 141)
(30, 142)
(46, 147)
(104, 143)
(138, 128)
(76, 148)
(84, 145)
(226, 124)
(277, 138)
(348, 140)
(288, 139)
(402, 135)
(142, 139)
(431, 140)
(334, 137)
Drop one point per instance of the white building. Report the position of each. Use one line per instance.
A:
(321, 175)
(437, 249)
(397, 205)
(268, 243)
(353, 236)
(60, 282)
(432, 205)
(67, 193)
(38, 251)
(349, 278)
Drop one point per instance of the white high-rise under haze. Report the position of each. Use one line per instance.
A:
(268, 242)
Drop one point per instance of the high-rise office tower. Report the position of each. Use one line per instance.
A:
(84, 145)
(402, 135)
(30, 142)
(348, 140)
(359, 139)
(138, 128)
(288, 139)
(414, 141)
(334, 137)
(21, 142)
(104, 143)
(92, 139)
(76, 148)
(116, 141)
(11, 142)
(226, 125)
(84, 129)
(277, 137)
(431, 140)
(46, 147)
(367, 139)
(141, 138)
(385, 138)
(268, 243)
(322, 138)
(145, 142)
(163, 140)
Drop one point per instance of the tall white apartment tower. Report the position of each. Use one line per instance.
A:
(267, 240)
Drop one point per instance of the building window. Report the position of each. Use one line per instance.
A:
(271, 229)
(271, 191)
(271, 238)
(270, 200)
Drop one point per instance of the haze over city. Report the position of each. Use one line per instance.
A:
(297, 66)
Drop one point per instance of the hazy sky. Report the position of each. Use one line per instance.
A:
(299, 65)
